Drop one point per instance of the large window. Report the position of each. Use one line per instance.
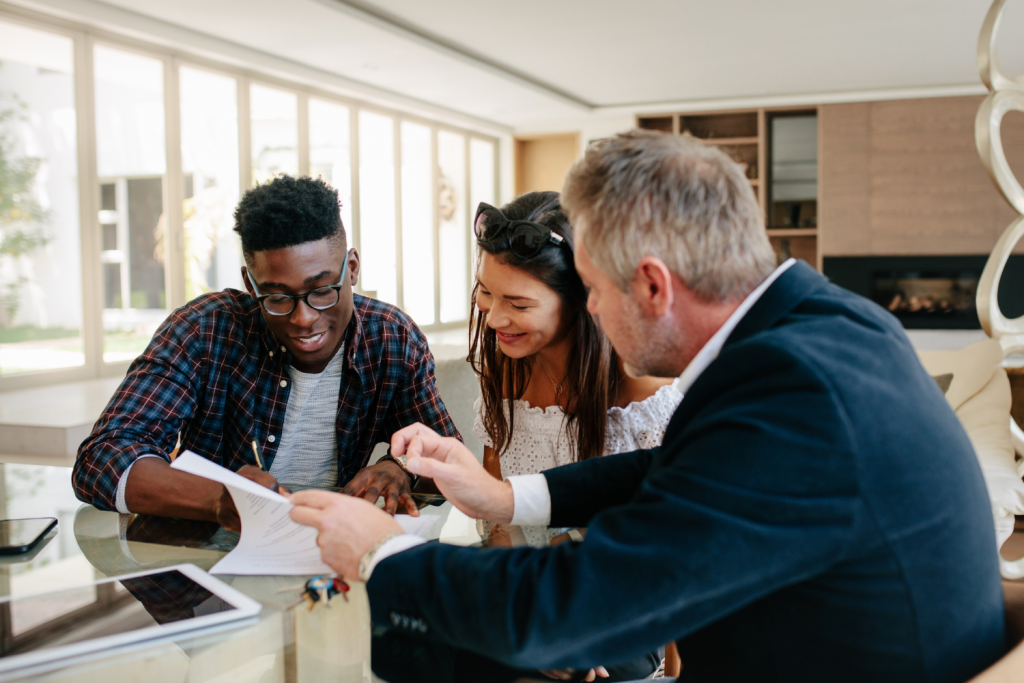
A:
(418, 223)
(330, 153)
(122, 166)
(454, 232)
(209, 164)
(275, 133)
(40, 244)
(377, 205)
(131, 163)
(483, 179)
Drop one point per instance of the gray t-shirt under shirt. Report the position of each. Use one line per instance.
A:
(308, 453)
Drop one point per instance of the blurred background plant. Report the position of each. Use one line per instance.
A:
(22, 217)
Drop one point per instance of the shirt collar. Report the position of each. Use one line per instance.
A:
(713, 347)
(354, 333)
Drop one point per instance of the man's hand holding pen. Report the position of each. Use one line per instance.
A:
(224, 507)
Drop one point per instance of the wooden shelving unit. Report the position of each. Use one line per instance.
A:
(733, 141)
(745, 136)
(792, 232)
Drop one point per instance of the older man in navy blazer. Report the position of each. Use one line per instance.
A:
(815, 512)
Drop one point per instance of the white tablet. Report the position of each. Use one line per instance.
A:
(128, 609)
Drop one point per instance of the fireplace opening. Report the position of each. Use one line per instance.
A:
(928, 292)
(927, 296)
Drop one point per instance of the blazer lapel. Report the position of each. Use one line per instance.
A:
(792, 287)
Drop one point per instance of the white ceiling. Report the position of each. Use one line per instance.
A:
(609, 52)
(520, 63)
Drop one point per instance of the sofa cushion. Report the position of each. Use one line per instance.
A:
(971, 367)
(459, 388)
(979, 392)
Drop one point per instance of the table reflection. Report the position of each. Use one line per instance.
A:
(170, 597)
(178, 532)
(90, 544)
(42, 491)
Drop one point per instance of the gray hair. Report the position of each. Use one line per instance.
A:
(644, 193)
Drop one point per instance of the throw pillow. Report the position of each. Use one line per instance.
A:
(979, 392)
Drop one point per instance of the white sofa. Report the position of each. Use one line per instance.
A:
(459, 389)
(979, 392)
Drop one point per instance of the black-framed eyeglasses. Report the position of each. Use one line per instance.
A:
(320, 298)
(523, 238)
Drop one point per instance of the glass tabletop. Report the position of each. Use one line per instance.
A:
(285, 644)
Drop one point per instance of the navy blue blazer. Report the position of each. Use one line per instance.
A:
(815, 513)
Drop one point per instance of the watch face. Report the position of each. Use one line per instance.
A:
(400, 461)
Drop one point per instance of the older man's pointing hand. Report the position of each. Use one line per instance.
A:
(456, 473)
(349, 527)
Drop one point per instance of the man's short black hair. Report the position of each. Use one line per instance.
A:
(287, 211)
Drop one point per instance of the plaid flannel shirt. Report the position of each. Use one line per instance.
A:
(216, 374)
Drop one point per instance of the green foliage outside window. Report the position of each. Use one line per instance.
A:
(22, 217)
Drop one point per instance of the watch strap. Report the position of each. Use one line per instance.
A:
(367, 561)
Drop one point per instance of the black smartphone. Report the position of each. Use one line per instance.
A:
(19, 536)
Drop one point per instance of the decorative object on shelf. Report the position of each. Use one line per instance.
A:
(783, 253)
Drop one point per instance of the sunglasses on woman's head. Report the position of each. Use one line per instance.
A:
(522, 238)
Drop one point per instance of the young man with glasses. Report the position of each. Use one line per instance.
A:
(298, 369)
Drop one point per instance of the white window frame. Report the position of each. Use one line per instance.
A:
(84, 40)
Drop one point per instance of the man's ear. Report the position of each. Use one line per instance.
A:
(353, 267)
(652, 287)
(246, 282)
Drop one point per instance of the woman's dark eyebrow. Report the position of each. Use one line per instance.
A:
(518, 298)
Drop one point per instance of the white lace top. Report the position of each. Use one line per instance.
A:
(540, 441)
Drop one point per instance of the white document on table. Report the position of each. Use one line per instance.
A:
(271, 543)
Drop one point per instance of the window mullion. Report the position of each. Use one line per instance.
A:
(399, 275)
(89, 188)
(468, 223)
(174, 190)
(436, 189)
(303, 121)
(356, 226)
(244, 136)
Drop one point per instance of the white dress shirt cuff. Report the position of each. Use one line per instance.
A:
(393, 547)
(532, 500)
(122, 507)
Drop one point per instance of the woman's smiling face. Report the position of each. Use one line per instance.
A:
(525, 314)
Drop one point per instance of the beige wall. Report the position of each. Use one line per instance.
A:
(542, 161)
(903, 177)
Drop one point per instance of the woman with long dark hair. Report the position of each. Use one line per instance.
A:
(552, 389)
